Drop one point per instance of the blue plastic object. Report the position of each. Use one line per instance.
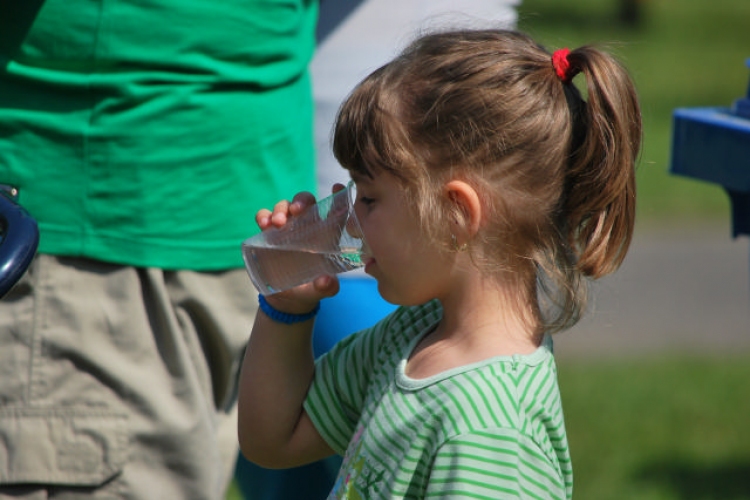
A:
(358, 305)
(713, 144)
(19, 239)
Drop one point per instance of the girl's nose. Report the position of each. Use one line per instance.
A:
(353, 228)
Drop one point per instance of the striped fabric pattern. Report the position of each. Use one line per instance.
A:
(490, 430)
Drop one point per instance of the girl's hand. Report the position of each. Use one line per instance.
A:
(304, 298)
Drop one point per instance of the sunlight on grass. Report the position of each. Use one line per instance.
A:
(666, 428)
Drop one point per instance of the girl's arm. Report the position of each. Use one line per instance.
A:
(274, 430)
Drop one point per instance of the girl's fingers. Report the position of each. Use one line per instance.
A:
(326, 285)
(263, 218)
(283, 209)
(300, 202)
(303, 298)
(280, 212)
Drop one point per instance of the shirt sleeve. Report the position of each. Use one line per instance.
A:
(336, 396)
(492, 464)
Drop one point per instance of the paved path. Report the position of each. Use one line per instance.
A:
(684, 288)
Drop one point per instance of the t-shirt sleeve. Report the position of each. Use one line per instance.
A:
(336, 396)
(492, 464)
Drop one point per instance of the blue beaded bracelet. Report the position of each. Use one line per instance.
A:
(283, 317)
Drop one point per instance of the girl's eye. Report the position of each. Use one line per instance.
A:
(366, 201)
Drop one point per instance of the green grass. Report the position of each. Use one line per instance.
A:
(685, 53)
(666, 429)
(234, 493)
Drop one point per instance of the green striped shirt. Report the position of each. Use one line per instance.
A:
(492, 429)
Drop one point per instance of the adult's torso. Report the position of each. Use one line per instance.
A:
(149, 132)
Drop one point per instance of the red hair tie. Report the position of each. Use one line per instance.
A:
(562, 65)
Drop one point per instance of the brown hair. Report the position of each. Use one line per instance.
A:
(555, 173)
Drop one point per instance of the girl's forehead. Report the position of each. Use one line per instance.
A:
(362, 179)
(380, 181)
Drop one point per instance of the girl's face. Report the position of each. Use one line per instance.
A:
(409, 269)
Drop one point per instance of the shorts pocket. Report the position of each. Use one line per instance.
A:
(61, 446)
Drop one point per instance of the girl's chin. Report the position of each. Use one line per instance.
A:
(369, 263)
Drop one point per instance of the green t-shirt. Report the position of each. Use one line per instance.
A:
(489, 430)
(149, 132)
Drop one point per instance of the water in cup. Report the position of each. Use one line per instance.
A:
(324, 239)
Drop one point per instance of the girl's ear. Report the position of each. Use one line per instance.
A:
(465, 202)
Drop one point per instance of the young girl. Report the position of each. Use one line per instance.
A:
(488, 191)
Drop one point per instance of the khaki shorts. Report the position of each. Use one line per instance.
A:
(120, 382)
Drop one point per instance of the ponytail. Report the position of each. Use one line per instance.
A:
(599, 198)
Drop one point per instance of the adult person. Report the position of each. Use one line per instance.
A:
(143, 136)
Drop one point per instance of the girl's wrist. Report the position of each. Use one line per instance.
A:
(285, 317)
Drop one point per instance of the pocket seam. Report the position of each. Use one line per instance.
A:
(62, 446)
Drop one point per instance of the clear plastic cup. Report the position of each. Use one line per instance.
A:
(324, 239)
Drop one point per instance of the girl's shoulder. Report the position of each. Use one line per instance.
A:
(398, 331)
(387, 340)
